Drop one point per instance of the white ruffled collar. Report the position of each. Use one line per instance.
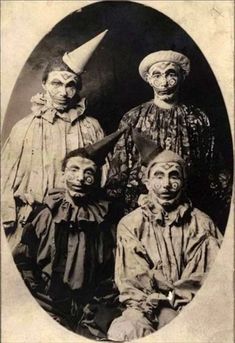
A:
(42, 107)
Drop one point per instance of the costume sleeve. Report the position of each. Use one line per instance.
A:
(105, 168)
(200, 256)
(34, 251)
(201, 140)
(11, 154)
(132, 271)
(119, 165)
(97, 134)
(207, 140)
(44, 231)
(34, 232)
(133, 279)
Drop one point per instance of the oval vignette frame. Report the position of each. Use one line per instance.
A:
(228, 234)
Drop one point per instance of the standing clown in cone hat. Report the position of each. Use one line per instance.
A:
(184, 129)
(165, 247)
(36, 145)
(66, 252)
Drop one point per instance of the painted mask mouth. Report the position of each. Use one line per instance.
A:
(167, 195)
(61, 101)
(169, 91)
(77, 188)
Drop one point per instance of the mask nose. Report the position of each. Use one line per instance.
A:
(166, 183)
(63, 91)
(163, 81)
(79, 178)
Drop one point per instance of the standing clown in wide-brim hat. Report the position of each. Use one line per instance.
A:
(37, 143)
(173, 125)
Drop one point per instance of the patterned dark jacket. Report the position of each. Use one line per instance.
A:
(183, 129)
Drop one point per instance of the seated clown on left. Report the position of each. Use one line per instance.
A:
(66, 253)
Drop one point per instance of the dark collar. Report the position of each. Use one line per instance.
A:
(65, 210)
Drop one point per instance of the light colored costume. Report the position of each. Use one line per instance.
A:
(37, 144)
(33, 152)
(157, 255)
(165, 247)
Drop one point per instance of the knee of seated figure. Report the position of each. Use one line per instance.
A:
(165, 316)
(127, 327)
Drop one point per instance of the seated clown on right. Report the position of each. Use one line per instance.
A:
(165, 247)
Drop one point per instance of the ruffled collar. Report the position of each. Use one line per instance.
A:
(155, 213)
(65, 210)
(42, 107)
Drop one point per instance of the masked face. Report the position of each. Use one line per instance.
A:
(165, 79)
(80, 176)
(165, 182)
(61, 87)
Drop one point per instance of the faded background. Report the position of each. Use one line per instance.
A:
(113, 86)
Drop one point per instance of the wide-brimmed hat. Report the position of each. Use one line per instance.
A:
(164, 56)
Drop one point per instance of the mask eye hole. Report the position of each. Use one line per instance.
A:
(89, 179)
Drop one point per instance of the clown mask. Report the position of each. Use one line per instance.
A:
(165, 78)
(165, 182)
(80, 176)
(61, 88)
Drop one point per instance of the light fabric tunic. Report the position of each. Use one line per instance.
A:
(174, 250)
(37, 144)
(162, 260)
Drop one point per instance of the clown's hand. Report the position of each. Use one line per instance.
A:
(131, 325)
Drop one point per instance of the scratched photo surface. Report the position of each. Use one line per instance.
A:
(117, 255)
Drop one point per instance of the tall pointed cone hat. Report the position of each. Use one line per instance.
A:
(147, 148)
(78, 58)
(99, 150)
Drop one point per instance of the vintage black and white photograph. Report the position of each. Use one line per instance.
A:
(117, 171)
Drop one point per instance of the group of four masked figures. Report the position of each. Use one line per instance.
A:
(102, 229)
